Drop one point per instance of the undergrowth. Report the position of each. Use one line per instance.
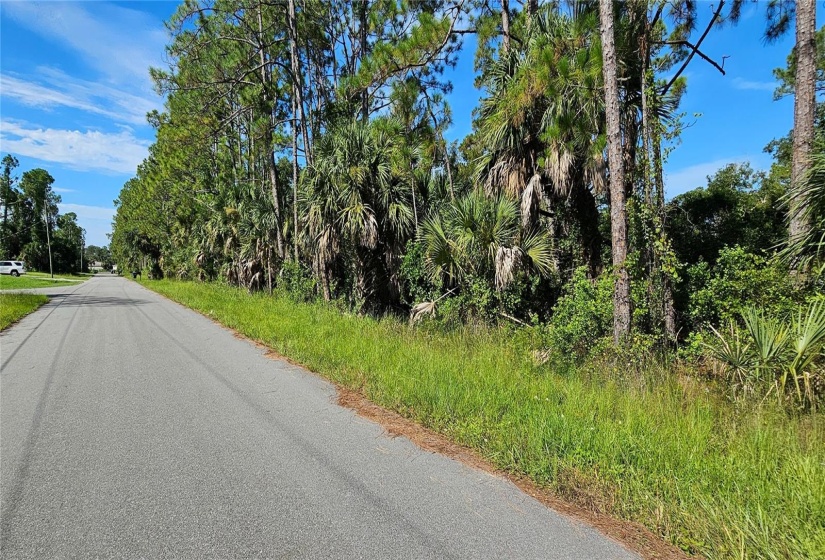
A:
(622, 433)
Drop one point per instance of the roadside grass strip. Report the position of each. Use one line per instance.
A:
(28, 281)
(658, 447)
(74, 277)
(14, 307)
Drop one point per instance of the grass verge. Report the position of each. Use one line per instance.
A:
(14, 307)
(28, 281)
(660, 449)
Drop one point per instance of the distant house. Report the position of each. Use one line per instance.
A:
(96, 266)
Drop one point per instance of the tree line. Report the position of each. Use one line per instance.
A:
(302, 146)
(32, 228)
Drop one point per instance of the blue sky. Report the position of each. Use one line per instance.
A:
(75, 87)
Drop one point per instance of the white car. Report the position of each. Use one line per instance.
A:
(15, 268)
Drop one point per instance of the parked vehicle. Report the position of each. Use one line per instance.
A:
(15, 268)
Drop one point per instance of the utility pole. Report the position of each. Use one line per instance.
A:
(81, 252)
(48, 241)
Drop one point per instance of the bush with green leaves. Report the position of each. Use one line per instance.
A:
(582, 315)
(298, 282)
(738, 280)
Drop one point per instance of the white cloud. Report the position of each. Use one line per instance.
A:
(84, 212)
(740, 83)
(67, 91)
(90, 150)
(96, 31)
(96, 220)
(60, 190)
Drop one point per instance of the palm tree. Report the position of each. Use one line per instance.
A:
(358, 211)
(542, 124)
(478, 236)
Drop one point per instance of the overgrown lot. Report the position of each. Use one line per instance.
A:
(14, 307)
(622, 434)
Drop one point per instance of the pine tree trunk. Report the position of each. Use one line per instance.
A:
(273, 181)
(362, 36)
(804, 109)
(618, 210)
(297, 77)
(505, 24)
(294, 181)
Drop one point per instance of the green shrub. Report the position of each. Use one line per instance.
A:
(298, 282)
(739, 280)
(582, 315)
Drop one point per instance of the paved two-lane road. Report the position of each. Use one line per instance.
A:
(132, 427)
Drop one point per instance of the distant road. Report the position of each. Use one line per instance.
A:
(132, 427)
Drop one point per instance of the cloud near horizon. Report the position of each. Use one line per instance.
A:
(96, 220)
(695, 176)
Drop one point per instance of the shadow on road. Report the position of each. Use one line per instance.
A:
(76, 300)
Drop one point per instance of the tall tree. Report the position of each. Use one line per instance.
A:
(804, 115)
(618, 209)
(7, 199)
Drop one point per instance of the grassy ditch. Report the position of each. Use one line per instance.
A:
(14, 307)
(657, 447)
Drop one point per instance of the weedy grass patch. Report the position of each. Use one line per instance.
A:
(14, 307)
(641, 442)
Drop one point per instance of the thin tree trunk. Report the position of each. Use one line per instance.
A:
(270, 153)
(324, 277)
(297, 76)
(618, 210)
(273, 181)
(362, 36)
(804, 109)
(449, 170)
(505, 24)
(294, 182)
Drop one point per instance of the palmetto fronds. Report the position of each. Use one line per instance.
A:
(357, 199)
(777, 351)
(480, 236)
(809, 248)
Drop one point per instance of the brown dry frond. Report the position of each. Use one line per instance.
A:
(507, 263)
(327, 245)
(508, 176)
(596, 173)
(557, 166)
(369, 235)
(530, 199)
(423, 308)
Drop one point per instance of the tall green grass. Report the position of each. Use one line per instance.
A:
(14, 307)
(655, 447)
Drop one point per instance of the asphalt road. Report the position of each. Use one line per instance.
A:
(131, 427)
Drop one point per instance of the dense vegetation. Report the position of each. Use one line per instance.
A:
(302, 151)
(32, 230)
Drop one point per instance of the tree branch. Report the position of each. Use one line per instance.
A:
(695, 49)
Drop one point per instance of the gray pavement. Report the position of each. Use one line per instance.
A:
(131, 427)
